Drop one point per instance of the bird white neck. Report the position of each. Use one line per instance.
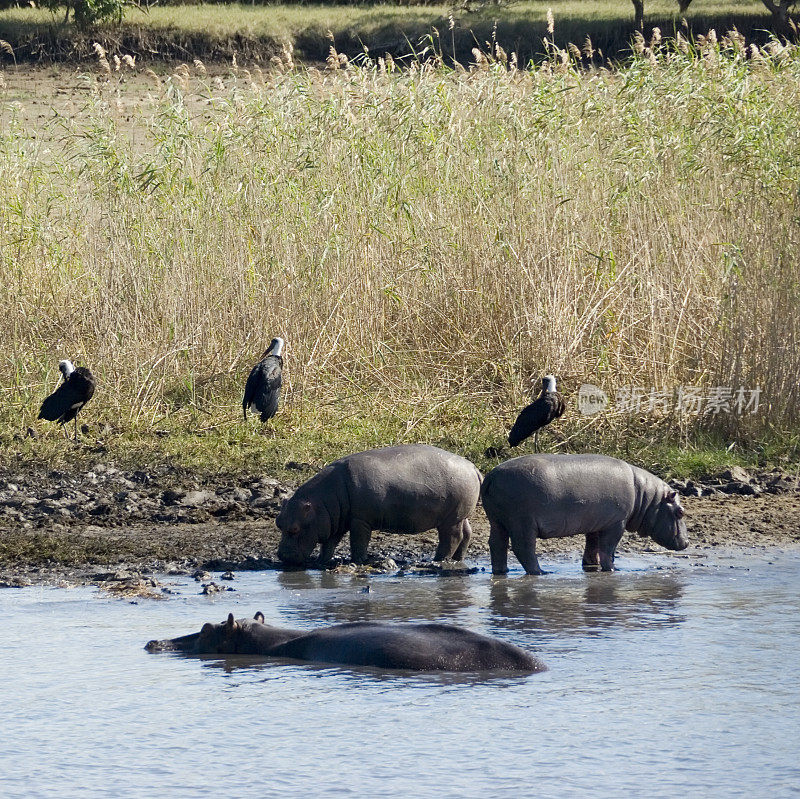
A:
(549, 383)
(66, 368)
(277, 348)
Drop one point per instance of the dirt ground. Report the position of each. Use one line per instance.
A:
(117, 529)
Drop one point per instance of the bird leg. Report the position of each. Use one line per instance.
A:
(76, 427)
(536, 441)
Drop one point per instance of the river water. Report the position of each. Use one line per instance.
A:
(670, 676)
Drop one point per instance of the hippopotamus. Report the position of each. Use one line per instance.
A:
(413, 647)
(552, 496)
(403, 489)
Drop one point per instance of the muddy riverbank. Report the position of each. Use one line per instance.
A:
(116, 528)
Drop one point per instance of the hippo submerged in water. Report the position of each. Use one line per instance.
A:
(552, 496)
(404, 489)
(414, 647)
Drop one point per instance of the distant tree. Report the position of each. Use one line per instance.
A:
(782, 23)
(88, 12)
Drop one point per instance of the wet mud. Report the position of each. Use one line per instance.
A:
(117, 529)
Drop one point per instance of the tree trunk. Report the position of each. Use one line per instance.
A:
(781, 21)
(638, 10)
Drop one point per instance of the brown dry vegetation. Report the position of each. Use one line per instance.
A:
(426, 240)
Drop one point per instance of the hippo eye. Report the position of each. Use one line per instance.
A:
(679, 512)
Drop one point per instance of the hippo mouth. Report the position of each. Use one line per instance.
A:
(293, 556)
(186, 643)
(677, 542)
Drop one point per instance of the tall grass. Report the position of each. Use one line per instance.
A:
(428, 241)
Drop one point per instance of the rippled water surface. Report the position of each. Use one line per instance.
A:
(669, 677)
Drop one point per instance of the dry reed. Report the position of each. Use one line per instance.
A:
(427, 241)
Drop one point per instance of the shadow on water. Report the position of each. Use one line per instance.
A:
(336, 599)
(592, 605)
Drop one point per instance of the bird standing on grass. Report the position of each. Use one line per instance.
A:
(547, 406)
(263, 388)
(64, 404)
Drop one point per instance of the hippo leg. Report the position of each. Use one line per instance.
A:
(360, 534)
(498, 547)
(328, 548)
(591, 553)
(607, 545)
(524, 547)
(449, 539)
(466, 534)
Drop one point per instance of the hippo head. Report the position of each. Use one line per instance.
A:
(229, 638)
(666, 525)
(232, 637)
(303, 524)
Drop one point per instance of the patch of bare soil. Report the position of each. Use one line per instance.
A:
(116, 529)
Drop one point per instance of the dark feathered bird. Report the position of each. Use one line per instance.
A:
(64, 404)
(263, 388)
(547, 406)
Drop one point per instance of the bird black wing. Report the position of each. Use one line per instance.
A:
(535, 416)
(65, 402)
(251, 387)
(557, 405)
(530, 419)
(84, 382)
(263, 387)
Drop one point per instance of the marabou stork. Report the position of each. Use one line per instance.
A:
(263, 387)
(547, 406)
(64, 404)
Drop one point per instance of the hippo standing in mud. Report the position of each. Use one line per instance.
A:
(552, 496)
(414, 647)
(404, 489)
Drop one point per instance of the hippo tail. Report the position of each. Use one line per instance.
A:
(486, 482)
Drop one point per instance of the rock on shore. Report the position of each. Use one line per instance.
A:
(116, 528)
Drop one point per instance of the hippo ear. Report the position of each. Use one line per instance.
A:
(259, 617)
(671, 496)
(305, 509)
(231, 622)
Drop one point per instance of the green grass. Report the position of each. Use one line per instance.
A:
(302, 439)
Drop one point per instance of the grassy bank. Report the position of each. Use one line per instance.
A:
(299, 443)
(427, 241)
(258, 33)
